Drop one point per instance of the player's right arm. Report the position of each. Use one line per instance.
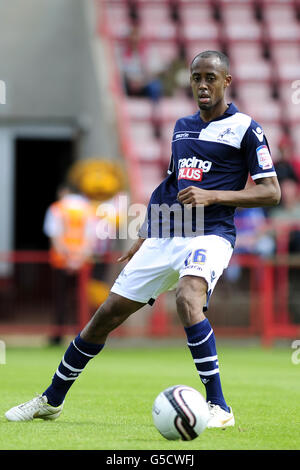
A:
(159, 196)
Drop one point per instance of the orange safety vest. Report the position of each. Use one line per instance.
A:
(75, 218)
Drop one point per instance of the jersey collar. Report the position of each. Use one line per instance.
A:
(232, 109)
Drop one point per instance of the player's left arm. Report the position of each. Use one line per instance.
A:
(266, 192)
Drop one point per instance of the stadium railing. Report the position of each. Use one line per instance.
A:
(26, 295)
(26, 301)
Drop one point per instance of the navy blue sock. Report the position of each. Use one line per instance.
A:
(76, 357)
(202, 344)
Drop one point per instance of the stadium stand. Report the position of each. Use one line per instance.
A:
(118, 20)
(262, 39)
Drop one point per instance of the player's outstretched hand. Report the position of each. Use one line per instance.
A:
(196, 196)
(129, 254)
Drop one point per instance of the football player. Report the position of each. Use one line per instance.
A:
(213, 152)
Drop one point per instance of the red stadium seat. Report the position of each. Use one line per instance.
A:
(222, 3)
(295, 134)
(290, 97)
(207, 31)
(243, 52)
(197, 22)
(252, 71)
(236, 11)
(143, 2)
(263, 3)
(254, 91)
(290, 93)
(195, 12)
(169, 109)
(287, 72)
(285, 32)
(280, 13)
(192, 2)
(248, 63)
(286, 58)
(154, 12)
(117, 21)
(239, 22)
(155, 21)
(234, 32)
(268, 110)
(141, 130)
(285, 53)
(138, 109)
(147, 150)
(158, 30)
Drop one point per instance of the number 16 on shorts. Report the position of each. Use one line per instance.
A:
(196, 257)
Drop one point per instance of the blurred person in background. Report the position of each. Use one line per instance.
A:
(104, 183)
(70, 225)
(285, 221)
(288, 214)
(253, 237)
(133, 68)
(287, 166)
(176, 78)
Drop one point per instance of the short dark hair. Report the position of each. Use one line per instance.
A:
(207, 54)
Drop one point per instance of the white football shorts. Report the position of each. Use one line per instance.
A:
(159, 263)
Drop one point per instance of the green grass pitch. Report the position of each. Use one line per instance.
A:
(109, 407)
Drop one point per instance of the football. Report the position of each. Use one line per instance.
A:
(180, 412)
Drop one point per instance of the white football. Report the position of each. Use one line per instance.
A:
(180, 412)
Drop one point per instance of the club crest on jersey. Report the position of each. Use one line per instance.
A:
(224, 136)
(264, 157)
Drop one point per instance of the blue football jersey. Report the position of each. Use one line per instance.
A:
(214, 155)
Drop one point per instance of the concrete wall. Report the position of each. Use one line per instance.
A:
(50, 65)
(56, 84)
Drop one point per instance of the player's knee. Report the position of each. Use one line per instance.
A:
(190, 299)
(190, 289)
(182, 299)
